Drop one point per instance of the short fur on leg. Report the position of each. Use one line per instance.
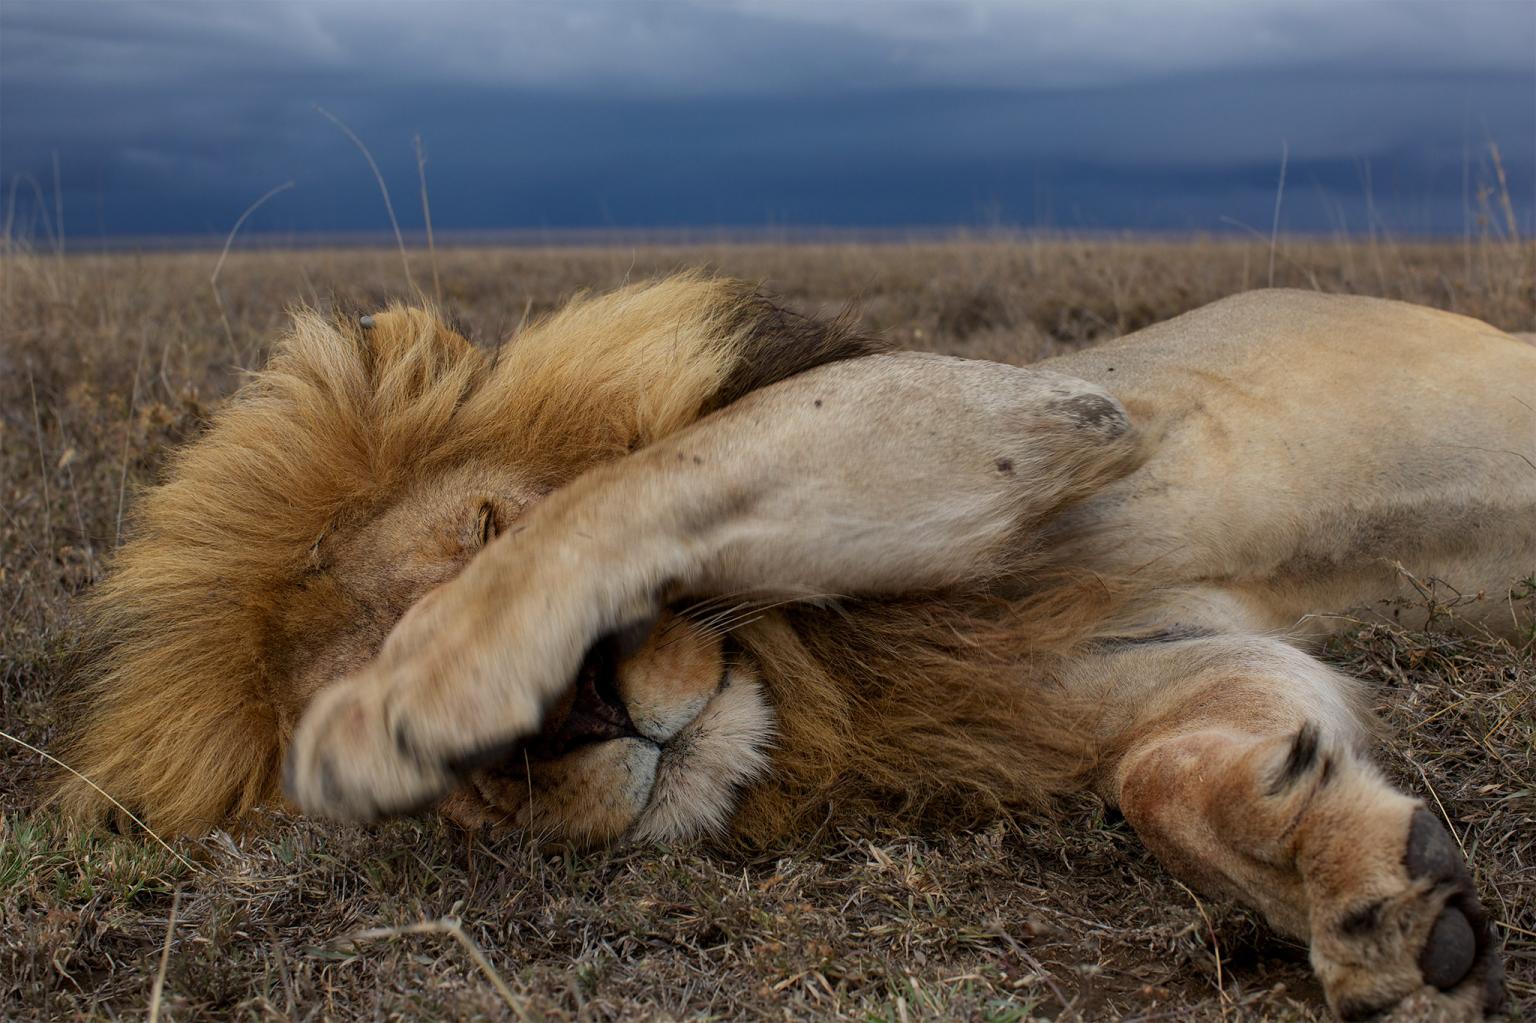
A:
(1256, 791)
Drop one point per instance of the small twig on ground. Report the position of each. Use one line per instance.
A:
(1445, 816)
(105, 795)
(455, 930)
(165, 958)
(1034, 964)
(1221, 987)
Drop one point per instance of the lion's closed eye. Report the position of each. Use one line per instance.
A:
(486, 528)
(480, 524)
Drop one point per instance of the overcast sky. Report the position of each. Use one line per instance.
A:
(169, 118)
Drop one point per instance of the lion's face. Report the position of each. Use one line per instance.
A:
(653, 746)
(366, 465)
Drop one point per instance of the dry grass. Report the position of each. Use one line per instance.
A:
(1070, 920)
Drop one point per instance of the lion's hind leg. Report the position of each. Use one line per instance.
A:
(1242, 770)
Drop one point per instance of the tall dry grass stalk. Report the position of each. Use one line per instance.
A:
(426, 216)
(229, 239)
(378, 176)
(1274, 227)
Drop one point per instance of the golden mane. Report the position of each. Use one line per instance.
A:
(932, 706)
(180, 691)
(902, 702)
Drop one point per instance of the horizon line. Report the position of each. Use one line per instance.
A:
(677, 235)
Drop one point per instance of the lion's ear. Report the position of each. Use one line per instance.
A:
(394, 353)
(400, 331)
(771, 343)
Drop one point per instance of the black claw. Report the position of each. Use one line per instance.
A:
(1450, 950)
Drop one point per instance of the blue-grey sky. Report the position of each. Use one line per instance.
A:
(170, 118)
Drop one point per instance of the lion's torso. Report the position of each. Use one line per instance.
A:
(1299, 446)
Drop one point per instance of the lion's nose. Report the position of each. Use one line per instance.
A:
(594, 711)
(628, 639)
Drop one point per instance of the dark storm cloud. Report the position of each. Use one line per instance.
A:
(170, 118)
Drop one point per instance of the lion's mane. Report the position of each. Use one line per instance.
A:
(927, 701)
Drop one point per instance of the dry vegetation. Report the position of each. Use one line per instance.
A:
(109, 361)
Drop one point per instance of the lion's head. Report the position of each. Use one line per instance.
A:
(370, 461)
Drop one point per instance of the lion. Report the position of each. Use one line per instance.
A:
(676, 562)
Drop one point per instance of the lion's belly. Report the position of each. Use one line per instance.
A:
(1301, 447)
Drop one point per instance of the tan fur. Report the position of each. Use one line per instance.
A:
(863, 735)
(1012, 584)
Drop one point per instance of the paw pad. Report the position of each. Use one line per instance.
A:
(1431, 852)
(1460, 933)
(1450, 950)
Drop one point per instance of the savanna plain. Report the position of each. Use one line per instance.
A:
(108, 361)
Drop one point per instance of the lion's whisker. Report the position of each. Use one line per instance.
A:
(743, 614)
(711, 603)
(760, 609)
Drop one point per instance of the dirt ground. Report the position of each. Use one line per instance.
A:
(108, 361)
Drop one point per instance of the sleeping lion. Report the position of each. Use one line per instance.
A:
(676, 562)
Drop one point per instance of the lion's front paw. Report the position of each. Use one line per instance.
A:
(1404, 938)
(444, 695)
(335, 752)
(464, 678)
(355, 758)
